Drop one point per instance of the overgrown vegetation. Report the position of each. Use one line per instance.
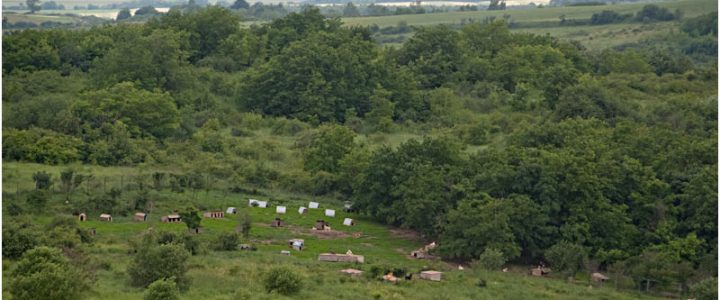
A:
(504, 147)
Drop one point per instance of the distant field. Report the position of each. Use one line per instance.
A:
(690, 8)
(547, 21)
(37, 19)
(605, 36)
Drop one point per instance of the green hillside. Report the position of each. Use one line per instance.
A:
(238, 274)
(590, 150)
(691, 8)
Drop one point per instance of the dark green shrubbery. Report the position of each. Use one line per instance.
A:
(227, 241)
(567, 257)
(490, 259)
(283, 280)
(162, 289)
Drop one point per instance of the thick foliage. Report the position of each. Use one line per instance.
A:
(283, 281)
(44, 273)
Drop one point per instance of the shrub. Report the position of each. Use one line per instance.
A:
(227, 241)
(245, 222)
(37, 199)
(192, 243)
(153, 262)
(18, 237)
(491, 259)
(15, 209)
(167, 237)
(705, 289)
(282, 280)
(43, 180)
(652, 12)
(44, 273)
(567, 257)
(162, 289)
(606, 17)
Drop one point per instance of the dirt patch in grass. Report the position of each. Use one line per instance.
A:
(328, 234)
(406, 234)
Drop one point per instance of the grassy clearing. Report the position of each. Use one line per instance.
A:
(38, 18)
(592, 37)
(237, 274)
(606, 36)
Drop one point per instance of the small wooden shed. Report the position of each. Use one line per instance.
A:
(302, 210)
(171, 218)
(348, 222)
(105, 217)
(320, 225)
(214, 214)
(314, 205)
(141, 217)
(330, 212)
(82, 217)
(431, 275)
(231, 210)
(280, 209)
(277, 223)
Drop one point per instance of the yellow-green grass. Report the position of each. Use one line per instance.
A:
(238, 274)
(606, 36)
(37, 18)
(690, 8)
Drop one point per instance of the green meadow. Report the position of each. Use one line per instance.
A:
(691, 8)
(238, 274)
(547, 21)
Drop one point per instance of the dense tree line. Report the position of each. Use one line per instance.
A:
(548, 145)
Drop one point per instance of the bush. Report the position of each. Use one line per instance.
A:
(43, 180)
(167, 237)
(491, 259)
(18, 237)
(227, 241)
(607, 17)
(44, 273)
(153, 262)
(192, 243)
(652, 12)
(163, 289)
(705, 289)
(282, 280)
(15, 209)
(37, 199)
(567, 257)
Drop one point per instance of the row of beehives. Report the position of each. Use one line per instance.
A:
(282, 209)
(302, 210)
(219, 214)
(427, 275)
(142, 217)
